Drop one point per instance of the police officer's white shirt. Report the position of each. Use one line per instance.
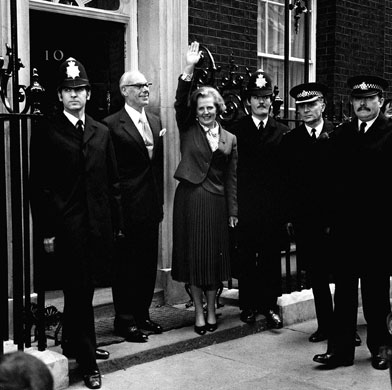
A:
(75, 120)
(257, 121)
(136, 116)
(368, 123)
(318, 128)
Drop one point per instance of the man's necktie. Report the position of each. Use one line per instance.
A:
(314, 137)
(362, 128)
(261, 125)
(79, 127)
(147, 136)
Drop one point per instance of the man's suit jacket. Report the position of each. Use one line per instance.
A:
(74, 185)
(141, 178)
(307, 169)
(362, 194)
(259, 187)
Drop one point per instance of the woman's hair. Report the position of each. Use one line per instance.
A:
(22, 371)
(206, 91)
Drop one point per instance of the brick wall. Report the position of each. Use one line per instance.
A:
(226, 27)
(353, 37)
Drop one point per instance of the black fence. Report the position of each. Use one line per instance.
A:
(16, 273)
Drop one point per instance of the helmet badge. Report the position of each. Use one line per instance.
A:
(72, 70)
(261, 81)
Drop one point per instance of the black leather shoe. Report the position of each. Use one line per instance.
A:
(318, 336)
(378, 362)
(93, 380)
(201, 330)
(211, 327)
(131, 334)
(101, 354)
(274, 319)
(332, 360)
(248, 316)
(358, 340)
(150, 326)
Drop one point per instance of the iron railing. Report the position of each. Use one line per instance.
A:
(15, 221)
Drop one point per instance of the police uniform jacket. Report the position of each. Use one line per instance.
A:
(307, 174)
(74, 187)
(196, 154)
(259, 184)
(362, 195)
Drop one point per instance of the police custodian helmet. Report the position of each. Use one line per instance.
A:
(72, 75)
(260, 84)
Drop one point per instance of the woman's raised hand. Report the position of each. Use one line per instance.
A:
(193, 54)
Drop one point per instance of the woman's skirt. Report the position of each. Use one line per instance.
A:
(200, 237)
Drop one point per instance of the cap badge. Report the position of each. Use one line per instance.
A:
(363, 86)
(72, 70)
(261, 82)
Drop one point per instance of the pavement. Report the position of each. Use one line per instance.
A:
(236, 356)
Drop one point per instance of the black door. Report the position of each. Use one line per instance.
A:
(97, 44)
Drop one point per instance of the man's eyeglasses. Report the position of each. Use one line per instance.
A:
(138, 85)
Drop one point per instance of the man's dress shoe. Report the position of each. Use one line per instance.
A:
(274, 319)
(332, 360)
(93, 379)
(100, 354)
(248, 316)
(379, 362)
(150, 326)
(131, 333)
(318, 336)
(358, 340)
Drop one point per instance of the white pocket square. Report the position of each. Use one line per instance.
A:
(162, 132)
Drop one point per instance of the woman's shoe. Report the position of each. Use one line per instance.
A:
(211, 327)
(201, 330)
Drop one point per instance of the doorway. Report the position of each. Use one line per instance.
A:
(97, 44)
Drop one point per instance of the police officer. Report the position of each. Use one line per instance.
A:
(306, 153)
(259, 212)
(360, 224)
(75, 194)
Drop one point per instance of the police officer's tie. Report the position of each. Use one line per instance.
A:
(362, 128)
(79, 127)
(147, 135)
(314, 137)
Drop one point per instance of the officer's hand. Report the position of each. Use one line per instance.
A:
(233, 221)
(49, 244)
(118, 235)
(290, 229)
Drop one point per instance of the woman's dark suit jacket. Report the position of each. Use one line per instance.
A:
(196, 154)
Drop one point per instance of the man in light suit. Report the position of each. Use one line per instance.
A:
(137, 139)
(76, 208)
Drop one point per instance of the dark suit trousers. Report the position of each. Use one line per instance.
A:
(376, 306)
(313, 250)
(78, 325)
(135, 273)
(76, 254)
(259, 278)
